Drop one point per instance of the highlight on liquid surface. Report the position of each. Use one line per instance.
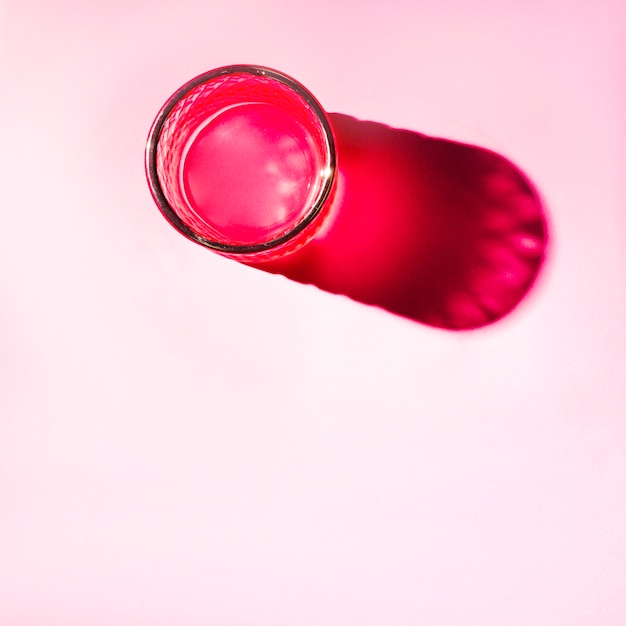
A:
(251, 172)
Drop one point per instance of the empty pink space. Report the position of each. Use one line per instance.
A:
(188, 440)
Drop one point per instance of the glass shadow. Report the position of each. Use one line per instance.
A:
(443, 233)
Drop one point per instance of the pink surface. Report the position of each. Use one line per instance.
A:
(187, 440)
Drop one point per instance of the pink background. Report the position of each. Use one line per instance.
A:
(185, 440)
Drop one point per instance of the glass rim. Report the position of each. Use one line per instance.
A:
(157, 190)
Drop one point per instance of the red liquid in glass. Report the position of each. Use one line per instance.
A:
(252, 172)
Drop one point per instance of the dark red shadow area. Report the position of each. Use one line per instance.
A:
(446, 234)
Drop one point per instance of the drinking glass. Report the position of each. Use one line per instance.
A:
(242, 160)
